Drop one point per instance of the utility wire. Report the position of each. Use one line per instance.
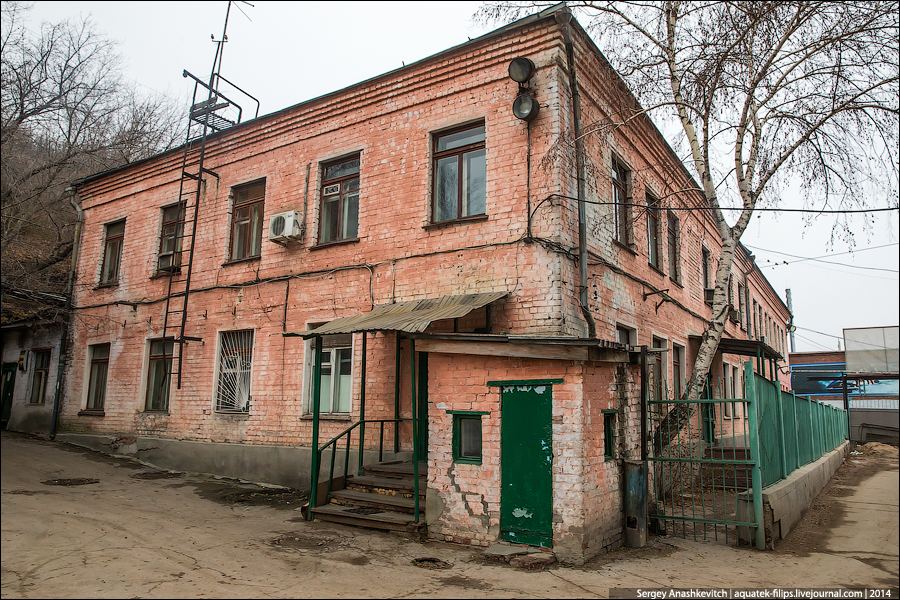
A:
(816, 258)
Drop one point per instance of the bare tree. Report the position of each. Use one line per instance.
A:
(66, 113)
(766, 94)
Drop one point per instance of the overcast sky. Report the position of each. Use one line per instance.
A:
(288, 52)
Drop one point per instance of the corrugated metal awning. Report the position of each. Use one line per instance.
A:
(409, 317)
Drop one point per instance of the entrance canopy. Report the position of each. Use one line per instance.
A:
(409, 317)
(745, 347)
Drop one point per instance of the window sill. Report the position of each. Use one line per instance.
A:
(676, 282)
(467, 461)
(101, 286)
(91, 413)
(463, 221)
(328, 417)
(231, 414)
(163, 412)
(161, 274)
(655, 268)
(625, 247)
(36, 404)
(324, 245)
(228, 263)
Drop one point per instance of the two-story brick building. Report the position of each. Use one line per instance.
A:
(434, 250)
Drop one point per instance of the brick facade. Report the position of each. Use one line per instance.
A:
(400, 255)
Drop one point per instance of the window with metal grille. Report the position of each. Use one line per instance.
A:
(97, 379)
(41, 374)
(460, 174)
(340, 201)
(158, 374)
(235, 361)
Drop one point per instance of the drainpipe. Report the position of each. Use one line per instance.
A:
(64, 340)
(564, 17)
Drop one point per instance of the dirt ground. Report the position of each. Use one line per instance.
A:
(80, 524)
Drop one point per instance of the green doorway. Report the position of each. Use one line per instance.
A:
(526, 455)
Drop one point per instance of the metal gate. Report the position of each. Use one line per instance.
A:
(704, 462)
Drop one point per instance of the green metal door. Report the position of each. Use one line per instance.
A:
(526, 442)
(6, 396)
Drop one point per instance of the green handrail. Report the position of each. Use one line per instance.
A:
(317, 452)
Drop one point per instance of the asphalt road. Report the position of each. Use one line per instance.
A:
(131, 535)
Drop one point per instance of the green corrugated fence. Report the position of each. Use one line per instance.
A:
(793, 430)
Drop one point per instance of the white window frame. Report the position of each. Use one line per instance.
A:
(332, 352)
(243, 382)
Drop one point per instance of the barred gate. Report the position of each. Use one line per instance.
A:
(701, 480)
(707, 482)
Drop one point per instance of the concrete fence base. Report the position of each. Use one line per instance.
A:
(287, 466)
(785, 502)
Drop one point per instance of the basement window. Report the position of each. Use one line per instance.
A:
(467, 448)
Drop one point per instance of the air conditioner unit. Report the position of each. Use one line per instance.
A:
(708, 295)
(734, 316)
(284, 226)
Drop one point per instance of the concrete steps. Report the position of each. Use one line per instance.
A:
(381, 498)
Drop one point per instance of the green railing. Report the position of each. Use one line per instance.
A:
(333, 444)
(793, 430)
(361, 425)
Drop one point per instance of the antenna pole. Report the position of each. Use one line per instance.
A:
(220, 50)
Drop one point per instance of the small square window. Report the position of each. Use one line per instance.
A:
(467, 438)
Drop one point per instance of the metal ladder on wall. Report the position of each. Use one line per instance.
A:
(205, 118)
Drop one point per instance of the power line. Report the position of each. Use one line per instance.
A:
(822, 211)
(816, 258)
(876, 346)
